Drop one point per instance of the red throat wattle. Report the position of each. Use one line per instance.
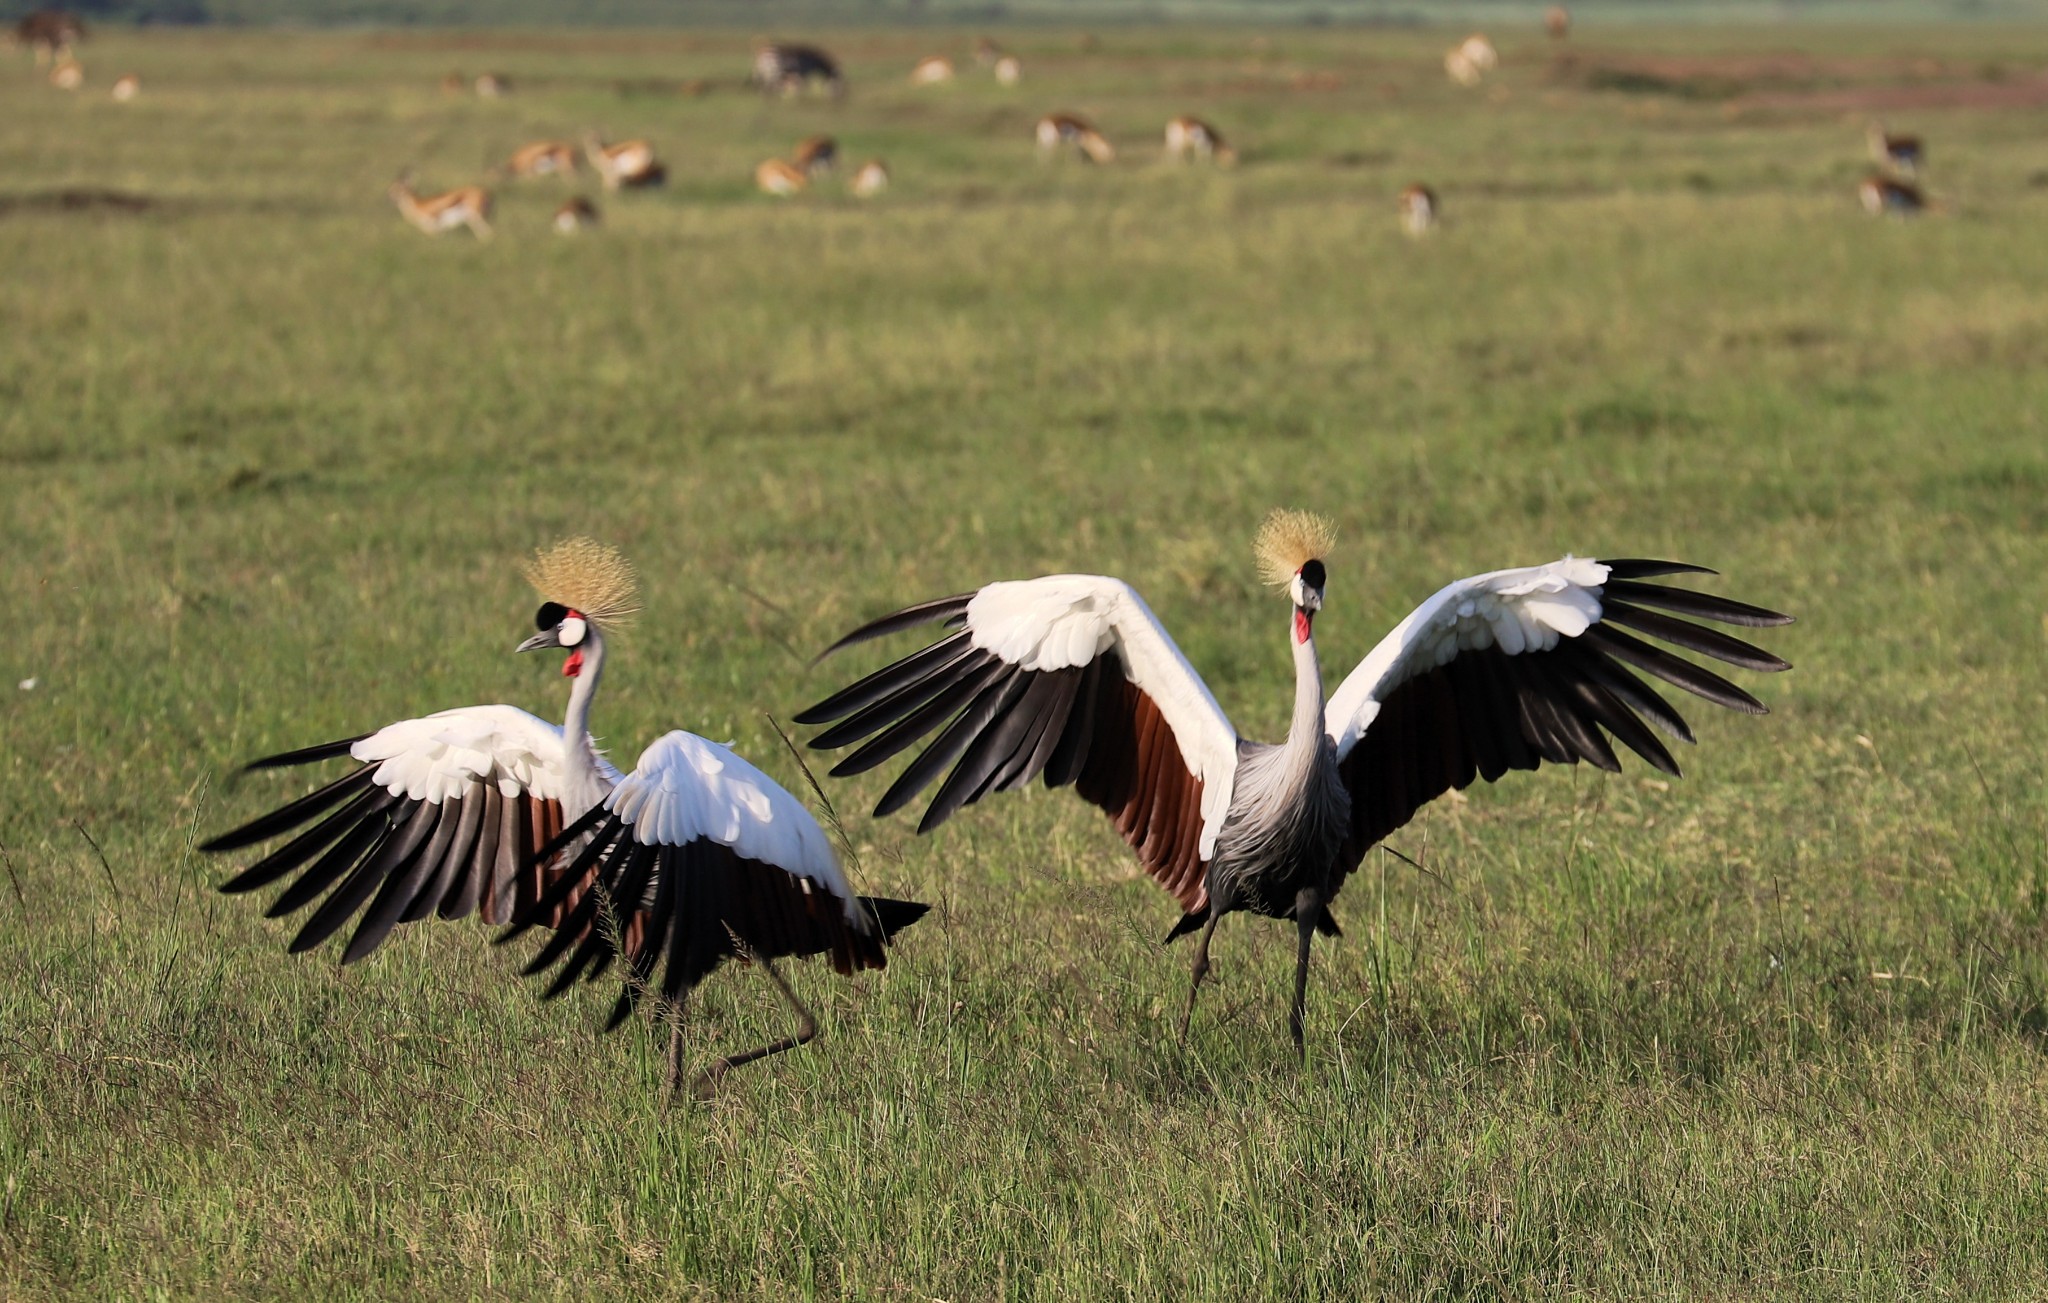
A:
(1300, 625)
(574, 665)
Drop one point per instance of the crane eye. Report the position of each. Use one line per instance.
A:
(570, 632)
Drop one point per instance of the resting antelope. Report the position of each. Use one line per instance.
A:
(932, 70)
(127, 88)
(778, 177)
(695, 856)
(69, 74)
(1903, 154)
(468, 206)
(575, 215)
(871, 180)
(789, 69)
(1008, 70)
(1884, 194)
(815, 154)
(1191, 138)
(630, 164)
(1418, 209)
(1056, 129)
(543, 158)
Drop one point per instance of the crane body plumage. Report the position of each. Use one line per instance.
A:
(1072, 679)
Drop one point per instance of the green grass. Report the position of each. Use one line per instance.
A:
(268, 459)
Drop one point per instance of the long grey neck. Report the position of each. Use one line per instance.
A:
(579, 754)
(1305, 732)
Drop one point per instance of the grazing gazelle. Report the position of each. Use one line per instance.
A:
(1189, 139)
(468, 206)
(931, 70)
(1008, 70)
(127, 88)
(1460, 68)
(1903, 154)
(1418, 209)
(871, 180)
(630, 164)
(789, 69)
(1883, 194)
(1056, 129)
(575, 215)
(69, 74)
(780, 177)
(694, 856)
(1073, 679)
(1557, 20)
(543, 158)
(815, 154)
(50, 33)
(491, 85)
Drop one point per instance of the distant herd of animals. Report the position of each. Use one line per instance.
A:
(791, 69)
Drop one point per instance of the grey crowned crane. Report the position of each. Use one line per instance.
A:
(695, 856)
(1071, 677)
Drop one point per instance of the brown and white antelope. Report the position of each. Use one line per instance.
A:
(1902, 154)
(780, 177)
(871, 180)
(69, 74)
(50, 33)
(1057, 129)
(491, 85)
(1008, 71)
(1481, 52)
(931, 70)
(543, 158)
(127, 88)
(1418, 209)
(1885, 195)
(468, 206)
(1460, 68)
(630, 164)
(815, 154)
(1557, 20)
(575, 215)
(1191, 139)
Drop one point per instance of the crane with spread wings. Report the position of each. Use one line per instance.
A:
(1073, 679)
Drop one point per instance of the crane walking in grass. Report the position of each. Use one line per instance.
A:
(695, 854)
(1072, 677)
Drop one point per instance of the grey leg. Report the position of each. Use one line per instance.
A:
(1200, 969)
(1308, 907)
(806, 1030)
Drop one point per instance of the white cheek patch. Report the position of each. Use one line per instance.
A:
(1298, 591)
(570, 631)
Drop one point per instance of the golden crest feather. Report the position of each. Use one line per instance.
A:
(1288, 541)
(587, 576)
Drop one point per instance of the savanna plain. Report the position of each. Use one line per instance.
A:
(269, 459)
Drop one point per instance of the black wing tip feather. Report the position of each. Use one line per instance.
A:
(305, 755)
(894, 915)
(932, 612)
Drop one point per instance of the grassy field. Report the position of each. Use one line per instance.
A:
(268, 459)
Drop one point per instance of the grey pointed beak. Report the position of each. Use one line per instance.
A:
(545, 638)
(1315, 600)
